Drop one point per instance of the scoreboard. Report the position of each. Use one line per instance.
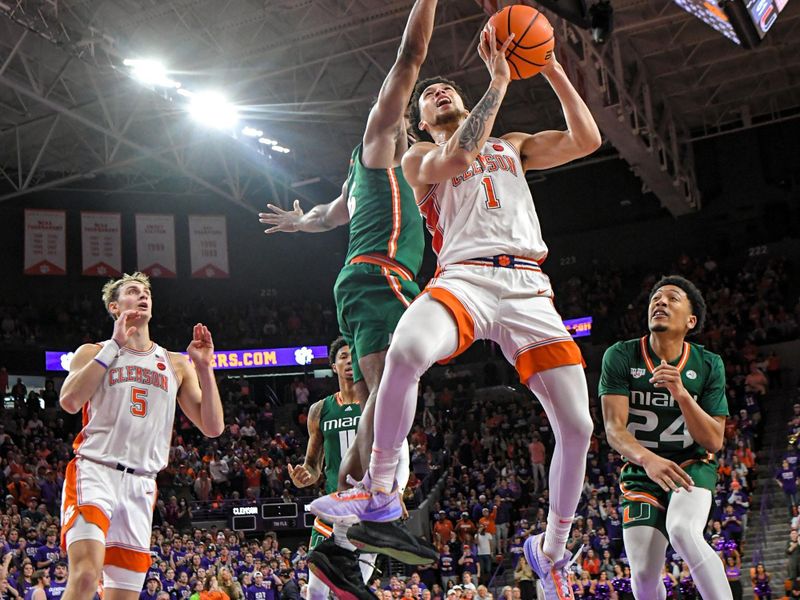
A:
(744, 22)
(267, 516)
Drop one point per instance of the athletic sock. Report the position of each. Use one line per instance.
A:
(556, 535)
(340, 537)
(383, 468)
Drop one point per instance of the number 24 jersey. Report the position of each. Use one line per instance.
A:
(654, 417)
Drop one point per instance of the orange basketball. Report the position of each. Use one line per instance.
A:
(532, 47)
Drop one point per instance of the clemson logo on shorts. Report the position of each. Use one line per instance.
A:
(68, 513)
(504, 261)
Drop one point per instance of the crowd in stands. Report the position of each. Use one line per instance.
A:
(491, 447)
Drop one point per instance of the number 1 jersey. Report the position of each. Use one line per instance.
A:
(654, 417)
(128, 420)
(485, 211)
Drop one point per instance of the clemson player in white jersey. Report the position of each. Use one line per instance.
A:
(472, 190)
(126, 388)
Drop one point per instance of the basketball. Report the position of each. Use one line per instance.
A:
(532, 47)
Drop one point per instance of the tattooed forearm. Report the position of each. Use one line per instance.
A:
(473, 129)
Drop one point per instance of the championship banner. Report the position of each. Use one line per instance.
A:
(208, 245)
(101, 244)
(45, 242)
(155, 245)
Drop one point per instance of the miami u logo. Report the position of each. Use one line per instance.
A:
(636, 512)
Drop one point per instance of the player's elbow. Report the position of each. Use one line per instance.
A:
(590, 142)
(412, 54)
(69, 402)
(214, 431)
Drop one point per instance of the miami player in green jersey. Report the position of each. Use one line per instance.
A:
(377, 282)
(332, 424)
(664, 408)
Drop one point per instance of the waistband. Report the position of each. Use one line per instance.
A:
(121, 467)
(504, 261)
(381, 260)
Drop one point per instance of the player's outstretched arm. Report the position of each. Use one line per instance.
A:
(426, 163)
(548, 149)
(323, 217)
(665, 473)
(198, 395)
(385, 124)
(90, 363)
(308, 473)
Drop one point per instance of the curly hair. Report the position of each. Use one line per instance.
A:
(414, 113)
(336, 345)
(696, 300)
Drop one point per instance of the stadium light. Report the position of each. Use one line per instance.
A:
(212, 109)
(267, 141)
(281, 149)
(150, 72)
(252, 132)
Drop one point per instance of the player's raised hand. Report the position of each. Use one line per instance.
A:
(668, 376)
(201, 348)
(492, 56)
(123, 327)
(667, 474)
(282, 220)
(300, 475)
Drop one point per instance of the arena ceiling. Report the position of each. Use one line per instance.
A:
(305, 72)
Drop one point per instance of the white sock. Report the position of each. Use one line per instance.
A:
(340, 537)
(556, 535)
(367, 565)
(383, 468)
(317, 590)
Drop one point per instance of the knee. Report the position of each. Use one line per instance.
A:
(84, 576)
(407, 354)
(682, 535)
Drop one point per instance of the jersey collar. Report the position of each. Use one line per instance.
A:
(644, 343)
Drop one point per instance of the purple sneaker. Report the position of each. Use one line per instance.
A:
(554, 575)
(357, 504)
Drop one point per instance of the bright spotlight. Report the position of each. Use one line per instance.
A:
(212, 109)
(267, 141)
(252, 132)
(150, 72)
(281, 149)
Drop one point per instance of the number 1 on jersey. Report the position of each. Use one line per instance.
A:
(492, 201)
(346, 439)
(139, 402)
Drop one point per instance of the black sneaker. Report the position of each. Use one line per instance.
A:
(338, 569)
(393, 539)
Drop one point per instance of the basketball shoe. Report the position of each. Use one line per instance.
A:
(357, 504)
(553, 575)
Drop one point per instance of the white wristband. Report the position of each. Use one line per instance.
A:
(108, 354)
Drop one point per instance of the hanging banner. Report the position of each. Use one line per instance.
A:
(101, 244)
(155, 245)
(45, 242)
(208, 244)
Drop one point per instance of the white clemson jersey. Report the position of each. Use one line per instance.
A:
(129, 418)
(485, 211)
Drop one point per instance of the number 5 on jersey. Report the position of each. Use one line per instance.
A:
(492, 201)
(139, 402)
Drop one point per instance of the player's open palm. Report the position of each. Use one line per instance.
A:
(201, 348)
(300, 476)
(282, 220)
(492, 56)
(667, 474)
(123, 327)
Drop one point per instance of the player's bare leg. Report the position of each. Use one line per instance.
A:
(85, 567)
(117, 594)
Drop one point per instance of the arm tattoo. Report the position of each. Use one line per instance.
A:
(472, 129)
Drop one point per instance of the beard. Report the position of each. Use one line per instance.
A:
(454, 115)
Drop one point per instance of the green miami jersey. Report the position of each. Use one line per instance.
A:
(384, 218)
(338, 423)
(654, 417)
